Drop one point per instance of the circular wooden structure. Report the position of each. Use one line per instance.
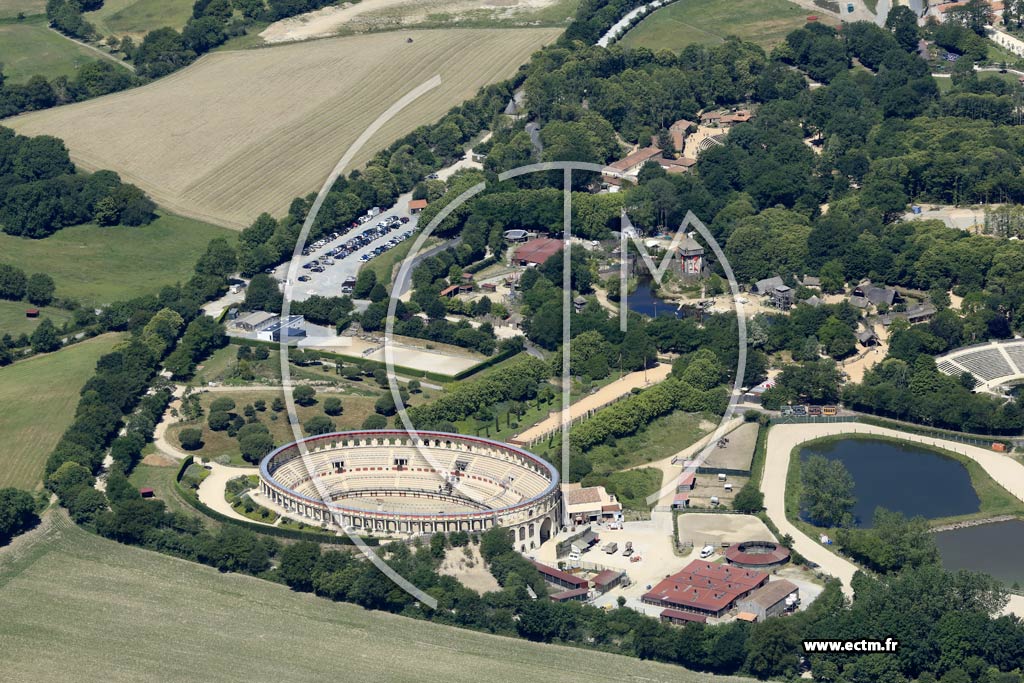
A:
(756, 554)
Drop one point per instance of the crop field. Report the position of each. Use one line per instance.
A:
(29, 48)
(241, 132)
(98, 265)
(79, 607)
(708, 22)
(11, 8)
(137, 17)
(38, 396)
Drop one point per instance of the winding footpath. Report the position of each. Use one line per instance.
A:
(782, 439)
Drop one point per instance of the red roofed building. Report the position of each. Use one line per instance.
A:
(560, 578)
(705, 588)
(579, 594)
(417, 205)
(537, 252)
(674, 616)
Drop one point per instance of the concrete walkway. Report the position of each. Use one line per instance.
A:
(782, 439)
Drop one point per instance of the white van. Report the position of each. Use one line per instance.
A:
(707, 551)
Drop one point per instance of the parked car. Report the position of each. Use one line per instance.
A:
(799, 410)
(814, 411)
(304, 278)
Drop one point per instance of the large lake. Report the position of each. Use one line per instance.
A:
(996, 549)
(901, 477)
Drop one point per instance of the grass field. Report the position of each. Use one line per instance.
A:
(80, 607)
(11, 8)
(708, 22)
(14, 322)
(137, 17)
(38, 396)
(29, 48)
(100, 265)
(246, 131)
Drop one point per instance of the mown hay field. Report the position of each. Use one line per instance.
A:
(241, 132)
(138, 17)
(38, 398)
(82, 608)
(708, 22)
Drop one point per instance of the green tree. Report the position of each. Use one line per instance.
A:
(304, 395)
(191, 438)
(826, 492)
(40, 289)
(17, 513)
(319, 424)
(332, 406)
(749, 499)
(45, 337)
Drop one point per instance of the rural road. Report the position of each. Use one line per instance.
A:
(782, 439)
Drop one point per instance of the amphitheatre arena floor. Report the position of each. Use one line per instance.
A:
(243, 132)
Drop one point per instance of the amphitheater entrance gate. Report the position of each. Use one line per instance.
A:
(545, 530)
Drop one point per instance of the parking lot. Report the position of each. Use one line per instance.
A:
(334, 259)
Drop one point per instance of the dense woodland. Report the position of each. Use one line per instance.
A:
(41, 192)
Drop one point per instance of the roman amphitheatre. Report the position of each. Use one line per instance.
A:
(242, 132)
(395, 483)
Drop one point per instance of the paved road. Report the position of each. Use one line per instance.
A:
(211, 490)
(782, 439)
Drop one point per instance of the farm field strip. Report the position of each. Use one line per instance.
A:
(82, 607)
(242, 132)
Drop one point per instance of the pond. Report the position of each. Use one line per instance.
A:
(996, 549)
(645, 301)
(901, 477)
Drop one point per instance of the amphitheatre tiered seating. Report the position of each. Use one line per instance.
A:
(985, 363)
(1015, 350)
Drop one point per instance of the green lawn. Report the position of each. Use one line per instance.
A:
(708, 22)
(101, 265)
(120, 17)
(662, 438)
(79, 607)
(29, 48)
(11, 8)
(14, 322)
(37, 402)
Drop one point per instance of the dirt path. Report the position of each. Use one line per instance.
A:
(211, 490)
(603, 396)
(93, 48)
(782, 439)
